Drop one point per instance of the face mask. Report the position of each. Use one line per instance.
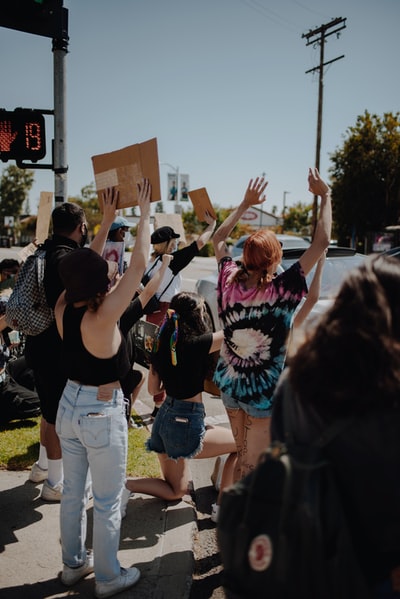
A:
(84, 237)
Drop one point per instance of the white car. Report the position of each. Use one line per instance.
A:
(339, 261)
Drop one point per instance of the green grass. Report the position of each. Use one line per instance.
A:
(19, 448)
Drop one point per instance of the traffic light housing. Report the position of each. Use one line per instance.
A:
(41, 17)
(22, 135)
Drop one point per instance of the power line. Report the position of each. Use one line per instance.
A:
(318, 37)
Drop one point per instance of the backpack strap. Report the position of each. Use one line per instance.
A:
(165, 289)
(152, 266)
(158, 259)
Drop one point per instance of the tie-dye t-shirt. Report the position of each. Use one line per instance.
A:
(256, 323)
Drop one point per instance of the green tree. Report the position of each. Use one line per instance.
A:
(297, 218)
(88, 200)
(15, 185)
(366, 178)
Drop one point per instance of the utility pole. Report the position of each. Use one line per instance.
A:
(314, 37)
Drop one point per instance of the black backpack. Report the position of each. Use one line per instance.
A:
(281, 530)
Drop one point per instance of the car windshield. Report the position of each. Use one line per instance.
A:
(335, 271)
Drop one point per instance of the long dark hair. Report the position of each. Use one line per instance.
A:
(186, 318)
(353, 357)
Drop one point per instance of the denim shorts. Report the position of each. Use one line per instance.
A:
(231, 403)
(178, 429)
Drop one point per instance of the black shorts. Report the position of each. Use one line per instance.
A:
(44, 355)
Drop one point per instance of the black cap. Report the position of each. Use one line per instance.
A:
(84, 274)
(163, 234)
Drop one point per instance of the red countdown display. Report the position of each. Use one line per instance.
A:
(22, 135)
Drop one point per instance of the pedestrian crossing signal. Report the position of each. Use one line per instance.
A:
(22, 135)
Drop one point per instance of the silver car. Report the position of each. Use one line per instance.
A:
(339, 261)
(287, 241)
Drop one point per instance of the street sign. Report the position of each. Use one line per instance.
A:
(40, 17)
(22, 135)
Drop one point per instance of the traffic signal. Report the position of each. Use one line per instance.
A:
(22, 135)
(41, 17)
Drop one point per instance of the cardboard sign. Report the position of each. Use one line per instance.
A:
(170, 220)
(143, 334)
(44, 216)
(126, 168)
(201, 203)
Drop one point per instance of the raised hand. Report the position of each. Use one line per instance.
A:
(166, 259)
(255, 192)
(144, 196)
(209, 219)
(110, 202)
(315, 184)
(6, 136)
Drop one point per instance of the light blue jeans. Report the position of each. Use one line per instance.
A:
(93, 434)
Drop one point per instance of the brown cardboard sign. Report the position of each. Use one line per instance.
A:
(126, 168)
(44, 216)
(201, 203)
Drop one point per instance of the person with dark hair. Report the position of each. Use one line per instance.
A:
(164, 241)
(348, 370)
(118, 229)
(256, 308)
(9, 268)
(44, 351)
(115, 244)
(91, 421)
(179, 364)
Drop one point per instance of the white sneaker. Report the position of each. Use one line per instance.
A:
(50, 493)
(37, 474)
(214, 513)
(127, 578)
(126, 495)
(216, 475)
(70, 576)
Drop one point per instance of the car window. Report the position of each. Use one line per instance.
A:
(296, 242)
(335, 271)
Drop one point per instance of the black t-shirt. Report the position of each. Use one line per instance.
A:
(186, 379)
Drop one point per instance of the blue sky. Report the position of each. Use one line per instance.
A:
(220, 83)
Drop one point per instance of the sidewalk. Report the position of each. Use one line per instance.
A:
(155, 536)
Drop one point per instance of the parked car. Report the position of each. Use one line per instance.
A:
(287, 241)
(339, 261)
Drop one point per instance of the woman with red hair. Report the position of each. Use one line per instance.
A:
(256, 308)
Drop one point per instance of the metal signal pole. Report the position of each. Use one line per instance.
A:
(318, 36)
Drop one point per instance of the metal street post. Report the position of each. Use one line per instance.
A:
(60, 49)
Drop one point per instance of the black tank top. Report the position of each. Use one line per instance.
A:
(81, 365)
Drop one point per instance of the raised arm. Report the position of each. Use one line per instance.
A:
(110, 201)
(206, 235)
(312, 295)
(154, 383)
(152, 286)
(254, 196)
(322, 235)
(118, 300)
